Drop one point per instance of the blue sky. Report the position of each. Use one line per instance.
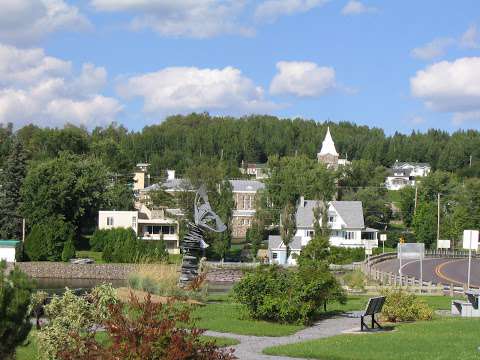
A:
(398, 65)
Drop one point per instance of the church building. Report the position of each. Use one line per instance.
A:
(329, 155)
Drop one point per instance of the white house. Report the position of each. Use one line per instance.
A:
(8, 249)
(345, 220)
(258, 171)
(405, 173)
(147, 224)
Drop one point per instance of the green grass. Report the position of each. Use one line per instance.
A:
(231, 317)
(394, 196)
(95, 255)
(442, 339)
(226, 316)
(221, 341)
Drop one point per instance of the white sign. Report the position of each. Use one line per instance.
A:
(414, 251)
(368, 251)
(470, 239)
(383, 237)
(370, 244)
(443, 244)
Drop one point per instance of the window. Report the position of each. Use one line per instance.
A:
(274, 255)
(310, 233)
(110, 221)
(245, 202)
(134, 221)
(349, 235)
(332, 218)
(251, 202)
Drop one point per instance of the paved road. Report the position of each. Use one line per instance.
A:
(250, 347)
(445, 271)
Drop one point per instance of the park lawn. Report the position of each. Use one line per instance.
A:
(227, 316)
(232, 318)
(441, 339)
(29, 350)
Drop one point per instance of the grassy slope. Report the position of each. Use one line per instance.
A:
(446, 339)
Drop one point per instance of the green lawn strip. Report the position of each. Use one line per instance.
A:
(95, 255)
(441, 339)
(232, 318)
(221, 341)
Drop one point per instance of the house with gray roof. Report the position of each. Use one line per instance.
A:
(346, 223)
(405, 174)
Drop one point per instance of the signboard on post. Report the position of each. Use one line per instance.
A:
(383, 237)
(411, 251)
(470, 239)
(443, 244)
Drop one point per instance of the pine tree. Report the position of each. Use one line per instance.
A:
(11, 179)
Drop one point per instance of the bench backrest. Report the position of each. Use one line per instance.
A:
(374, 305)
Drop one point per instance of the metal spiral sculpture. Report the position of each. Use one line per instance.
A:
(193, 243)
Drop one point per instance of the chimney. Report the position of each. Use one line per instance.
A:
(170, 174)
(302, 201)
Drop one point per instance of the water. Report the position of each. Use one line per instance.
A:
(55, 285)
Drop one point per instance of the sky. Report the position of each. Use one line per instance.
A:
(398, 65)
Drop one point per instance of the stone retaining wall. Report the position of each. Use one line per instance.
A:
(61, 270)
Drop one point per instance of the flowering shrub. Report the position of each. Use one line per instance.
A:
(403, 306)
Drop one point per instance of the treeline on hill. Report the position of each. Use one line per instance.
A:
(181, 141)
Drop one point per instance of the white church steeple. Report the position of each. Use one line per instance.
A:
(328, 146)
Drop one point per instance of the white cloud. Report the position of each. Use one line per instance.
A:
(355, 7)
(190, 18)
(469, 38)
(302, 78)
(452, 87)
(187, 89)
(417, 120)
(38, 88)
(433, 49)
(270, 10)
(25, 21)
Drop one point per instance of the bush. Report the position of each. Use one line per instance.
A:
(355, 280)
(145, 330)
(99, 239)
(283, 295)
(122, 246)
(68, 251)
(70, 314)
(46, 240)
(403, 306)
(340, 255)
(15, 293)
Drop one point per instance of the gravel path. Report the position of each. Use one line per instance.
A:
(250, 347)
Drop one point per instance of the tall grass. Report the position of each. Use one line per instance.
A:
(163, 280)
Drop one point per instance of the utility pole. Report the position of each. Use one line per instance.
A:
(470, 160)
(23, 230)
(416, 200)
(438, 217)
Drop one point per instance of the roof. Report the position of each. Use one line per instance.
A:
(399, 164)
(405, 172)
(304, 216)
(351, 213)
(9, 243)
(246, 185)
(275, 242)
(328, 146)
(172, 185)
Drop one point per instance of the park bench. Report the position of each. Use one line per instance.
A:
(373, 307)
(467, 308)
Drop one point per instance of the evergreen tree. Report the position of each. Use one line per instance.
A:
(11, 180)
(287, 227)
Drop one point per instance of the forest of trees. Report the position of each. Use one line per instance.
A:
(181, 141)
(64, 176)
